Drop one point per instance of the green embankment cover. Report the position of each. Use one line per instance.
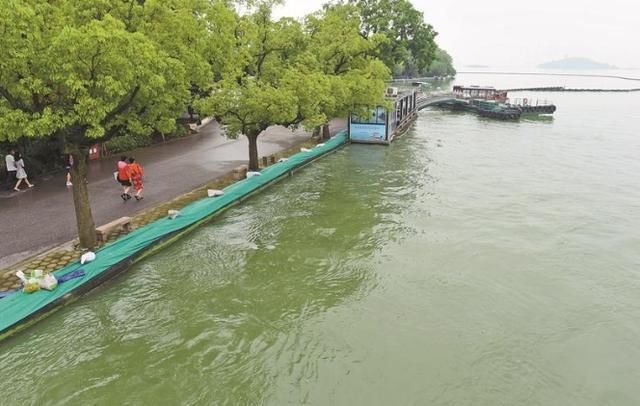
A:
(16, 307)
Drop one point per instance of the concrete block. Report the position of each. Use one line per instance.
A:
(240, 172)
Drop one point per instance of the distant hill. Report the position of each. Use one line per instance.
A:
(575, 63)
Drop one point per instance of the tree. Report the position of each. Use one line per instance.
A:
(292, 75)
(442, 65)
(410, 40)
(258, 91)
(356, 78)
(84, 71)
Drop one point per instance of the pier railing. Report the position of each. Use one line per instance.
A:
(426, 99)
(528, 102)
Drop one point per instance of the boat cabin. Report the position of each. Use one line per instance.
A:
(479, 92)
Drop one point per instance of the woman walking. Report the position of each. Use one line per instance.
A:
(124, 177)
(68, 164)
(136, 172)
(21, 174)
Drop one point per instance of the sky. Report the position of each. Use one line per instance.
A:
(525, 33)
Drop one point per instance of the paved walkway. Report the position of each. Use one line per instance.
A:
(40, 218)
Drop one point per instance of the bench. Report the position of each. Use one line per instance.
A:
(102, 232)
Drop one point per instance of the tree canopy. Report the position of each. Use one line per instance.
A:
(356, 77)
(410, 41)
(442, 64)
(82, 70)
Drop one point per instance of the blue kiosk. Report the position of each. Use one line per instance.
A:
(381, 126)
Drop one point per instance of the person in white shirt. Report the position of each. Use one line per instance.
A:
(21, 174)
(10, 161)
(68, 164)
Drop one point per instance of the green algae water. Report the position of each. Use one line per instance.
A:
(472, 262)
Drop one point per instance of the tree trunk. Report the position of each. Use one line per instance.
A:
(253, 152)
(326, 133)
(84, 218)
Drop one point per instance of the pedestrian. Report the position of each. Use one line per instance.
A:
(10, 161)
(68, 164)
(124, 177)
(136, 172)
(21, 174)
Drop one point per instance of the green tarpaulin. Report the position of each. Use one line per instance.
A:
(17, 307)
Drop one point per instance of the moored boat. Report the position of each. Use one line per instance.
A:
(490, 102)
(495, 110)
(533, 107)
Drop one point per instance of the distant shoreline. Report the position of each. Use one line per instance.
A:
(551, 74)
(574, 63)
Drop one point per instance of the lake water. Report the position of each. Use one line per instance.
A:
(472, 262)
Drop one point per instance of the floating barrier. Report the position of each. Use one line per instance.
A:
(19, 310)
(566, 89)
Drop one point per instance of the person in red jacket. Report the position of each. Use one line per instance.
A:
(124, 177)
(136, 172)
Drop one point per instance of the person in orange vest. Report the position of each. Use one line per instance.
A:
(137, 173)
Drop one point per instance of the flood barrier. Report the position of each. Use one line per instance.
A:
(20, 310)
